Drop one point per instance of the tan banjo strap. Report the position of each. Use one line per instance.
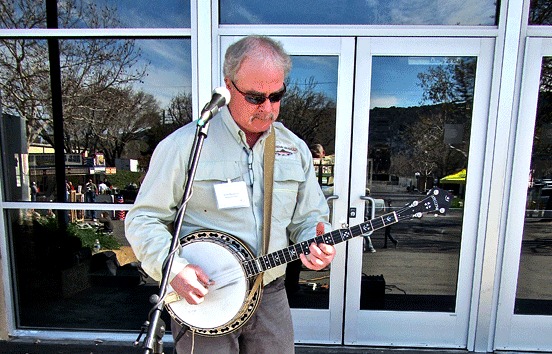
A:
(269, 151)
(268, 178)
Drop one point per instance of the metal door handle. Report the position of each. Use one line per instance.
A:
(372, 211)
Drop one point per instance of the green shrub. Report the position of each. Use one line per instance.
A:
(88, 237)
(123, 178)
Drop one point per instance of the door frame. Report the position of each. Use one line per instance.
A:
(521, 332)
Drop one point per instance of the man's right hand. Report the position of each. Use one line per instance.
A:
(191, 284)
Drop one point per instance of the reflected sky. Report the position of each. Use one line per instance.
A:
(394, 82)
(322, 68)
(169, 70)
(377, 12)
(150, 14)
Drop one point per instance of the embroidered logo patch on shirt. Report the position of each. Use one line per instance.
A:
(285, 150)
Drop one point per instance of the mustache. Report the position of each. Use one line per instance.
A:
(265, 117)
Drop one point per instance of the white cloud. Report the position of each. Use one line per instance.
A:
(169, 69)
(383, 101)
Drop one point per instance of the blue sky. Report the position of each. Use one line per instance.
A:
(394, 81)
(404, 12)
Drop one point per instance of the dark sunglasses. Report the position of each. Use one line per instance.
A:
(259, 98)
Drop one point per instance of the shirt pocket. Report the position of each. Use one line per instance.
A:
(288, 177)
(208, 174)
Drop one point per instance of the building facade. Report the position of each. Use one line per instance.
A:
(403, 95)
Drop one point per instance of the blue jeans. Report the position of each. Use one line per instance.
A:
(90, 197)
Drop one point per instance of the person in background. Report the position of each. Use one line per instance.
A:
(102, 187)
(317, 151)
(107, 224)
(387, 232)
(255, 69)
(91, 190)
(34, 192)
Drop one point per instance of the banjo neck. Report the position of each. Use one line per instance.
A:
(437, 200)
(261, 264)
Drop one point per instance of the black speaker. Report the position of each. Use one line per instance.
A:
(372, 292)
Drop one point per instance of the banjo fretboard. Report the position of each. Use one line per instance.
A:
(291, 253)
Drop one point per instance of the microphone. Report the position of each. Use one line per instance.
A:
(220, 98)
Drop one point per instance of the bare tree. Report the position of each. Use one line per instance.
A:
(450, 87)
(180, 110)
(89, 68)
(118, 117)
(310, 114)
(540, 12)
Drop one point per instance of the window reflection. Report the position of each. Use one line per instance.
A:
(23, 14)
(308, 109)
(540, 12)
(124, 14)
(74, 273)
(120, 98)
(98, 14)
(532, 296)
(419, 135)
(360, 12)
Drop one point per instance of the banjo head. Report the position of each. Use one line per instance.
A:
(225, 302)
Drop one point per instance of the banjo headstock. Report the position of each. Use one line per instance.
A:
(437, 200)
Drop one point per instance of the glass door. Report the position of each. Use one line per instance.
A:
(525, 298)
(420, 116)
(318, 108)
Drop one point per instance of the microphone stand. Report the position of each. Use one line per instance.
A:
(155, 326)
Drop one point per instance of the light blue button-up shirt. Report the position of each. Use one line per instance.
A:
(298, 202)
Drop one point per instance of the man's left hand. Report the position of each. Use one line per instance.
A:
(320, 256)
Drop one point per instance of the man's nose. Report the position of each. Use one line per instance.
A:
(266, 106)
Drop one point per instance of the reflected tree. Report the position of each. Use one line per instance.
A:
(179, 111)
(449, 87)
(310, 114)
(91, 69)
(542, 144)
(117, 117)
(540, 12)
(178, 114)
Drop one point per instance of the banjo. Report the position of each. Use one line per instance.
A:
(234, 296)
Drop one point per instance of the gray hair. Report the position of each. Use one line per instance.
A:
(255, 47)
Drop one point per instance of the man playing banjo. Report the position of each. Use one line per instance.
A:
(229, 196)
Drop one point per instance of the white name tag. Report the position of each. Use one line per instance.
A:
(232, 195)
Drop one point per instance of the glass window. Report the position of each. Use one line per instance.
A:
(120, 98)
(308, 109)
(72, 273)
(26, 105)
(540, 12)
(116, 110)
(361, 12)
(98, 14)
(419, 133)
(532, 297)
(124, 14)
(23, 14)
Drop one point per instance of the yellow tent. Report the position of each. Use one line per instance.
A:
(458, 177)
